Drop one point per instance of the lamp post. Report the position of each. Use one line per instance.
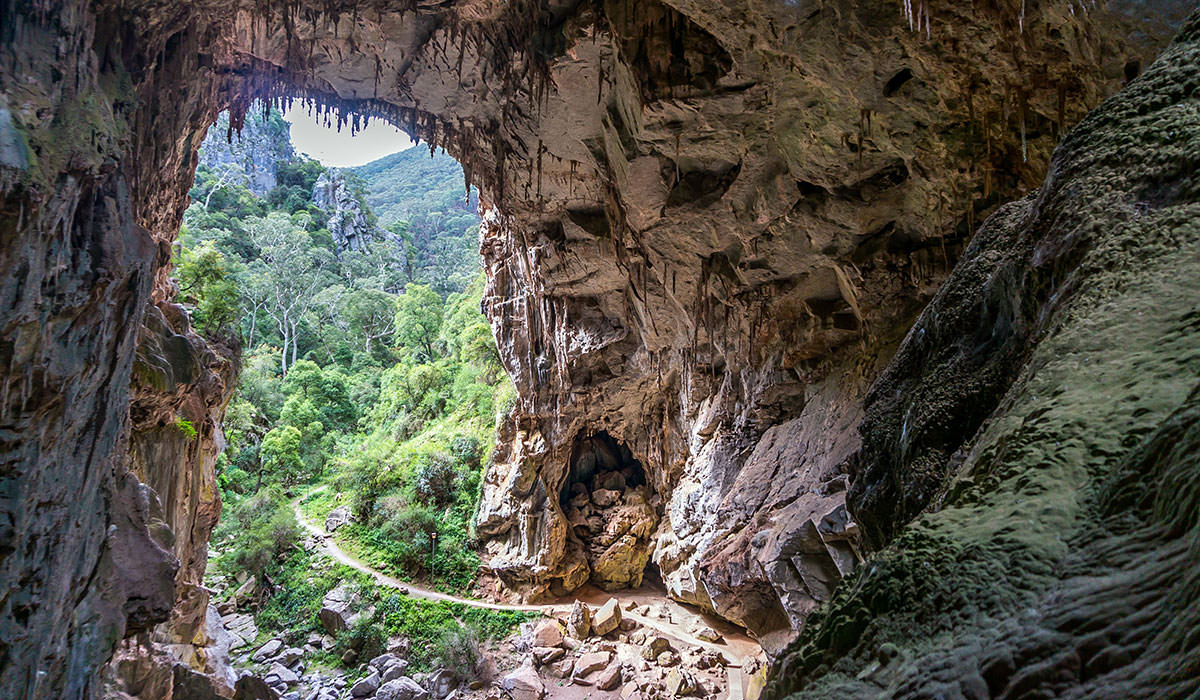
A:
(432, 550)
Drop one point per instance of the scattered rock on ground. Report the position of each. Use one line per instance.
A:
(609, 678)
(680, 683)
(337, 517)
(579, 622)
(548, 633)
(654, 647)
(522, 684)
(335, 609)
(267, 650)
(367, 686)
(589, 663)
(607, 618)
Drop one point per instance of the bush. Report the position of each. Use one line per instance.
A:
(366, 637)
(436, 480)
(262, 529)
(299, 587)
(457, 649)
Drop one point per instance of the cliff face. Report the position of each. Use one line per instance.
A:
(1030, 454)
(709, 224)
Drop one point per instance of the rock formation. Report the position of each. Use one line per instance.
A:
(709, 224)
(348, 222)
(251, 156)
(1029, 456)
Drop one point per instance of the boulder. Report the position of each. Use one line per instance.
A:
(548, 633)
(579, 622)
(590, 663)
(267, 650)
(546, 655)
(241, 625)
(335, 615)
(604, 498)
(290, 656)
(563, 668)
(442, 683)
(367, 686)
(337, 517)
(283, 673)
(395, 671)
(523, 684)
(402, 689)
(708, 634)
(655, 646)
(251, 687)
(680, 683)
(609, 678)
(245, 591)
(382, 661)
(668, 658)
(607, 618)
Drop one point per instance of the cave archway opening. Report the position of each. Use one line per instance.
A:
(611, 510)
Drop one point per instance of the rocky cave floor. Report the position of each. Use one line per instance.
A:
(632, 644)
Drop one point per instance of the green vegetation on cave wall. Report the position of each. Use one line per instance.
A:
(362, 384)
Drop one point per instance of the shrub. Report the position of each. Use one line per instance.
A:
(366, 637)
(435, 480)
(262, 529)
(457, 649)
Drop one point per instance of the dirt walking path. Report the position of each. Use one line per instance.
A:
(677, 625)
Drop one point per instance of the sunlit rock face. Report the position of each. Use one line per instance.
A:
(709, 224)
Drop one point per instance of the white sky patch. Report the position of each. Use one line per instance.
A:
(339, 149)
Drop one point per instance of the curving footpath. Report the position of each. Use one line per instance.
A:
(736, 647)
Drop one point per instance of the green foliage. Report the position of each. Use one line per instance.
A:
(371, 370)
(457, 649)
(207, 286)
(256, 533)
(186, 427)
(419, 321)
(438, 224)
(281, 454)
(365, 636)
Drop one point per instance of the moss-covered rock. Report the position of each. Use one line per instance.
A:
(1029, 458)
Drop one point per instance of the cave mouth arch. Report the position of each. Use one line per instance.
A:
(611, 511)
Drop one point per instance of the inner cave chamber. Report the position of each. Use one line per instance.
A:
(611, 511)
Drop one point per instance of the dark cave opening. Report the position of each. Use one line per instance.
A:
(611, 511)
(596, 463)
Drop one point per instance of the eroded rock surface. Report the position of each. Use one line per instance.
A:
(1029, 456)
(706, 220)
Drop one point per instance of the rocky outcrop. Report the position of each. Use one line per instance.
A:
(251, 156)
(1028, 457)
(348, 222)
(706, 220)
(181, 386)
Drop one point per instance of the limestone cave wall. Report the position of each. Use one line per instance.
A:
(708, 227)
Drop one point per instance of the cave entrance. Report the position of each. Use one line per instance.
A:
(611, 510)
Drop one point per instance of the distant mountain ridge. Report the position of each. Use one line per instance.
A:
(429, 193)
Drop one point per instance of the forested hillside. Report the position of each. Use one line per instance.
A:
(421, 198)
(360, 385)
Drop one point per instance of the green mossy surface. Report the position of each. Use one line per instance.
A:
(1040, 428)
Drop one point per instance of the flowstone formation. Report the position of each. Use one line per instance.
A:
(708, 225)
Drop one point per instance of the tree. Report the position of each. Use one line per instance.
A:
(223, 176)
(288, 276)
(206, 284)
(419, 320)
(281, 454)
(371, 315)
